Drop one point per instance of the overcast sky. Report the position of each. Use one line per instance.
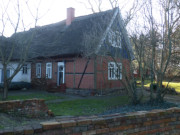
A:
(49, 11)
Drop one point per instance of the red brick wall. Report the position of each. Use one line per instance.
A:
(102, 65)
(33, 108)
(43, 70)
(155, 122)
(88, 79)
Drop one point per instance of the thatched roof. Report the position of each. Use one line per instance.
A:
(58, 39)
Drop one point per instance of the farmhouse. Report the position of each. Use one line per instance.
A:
(87, 52)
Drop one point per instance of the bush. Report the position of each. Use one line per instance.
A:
(155, 86)
(171, 91)
(168, 90)
(40, 83)
(18, 85)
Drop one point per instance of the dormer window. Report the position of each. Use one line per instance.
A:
(114, 38)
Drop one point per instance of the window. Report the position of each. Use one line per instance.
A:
(114, 38)
(38, 70)
(24, 69)
(49, 70)
(114, 71)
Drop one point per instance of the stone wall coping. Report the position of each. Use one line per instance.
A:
(113, 117)
(109, 123)
(12, 101)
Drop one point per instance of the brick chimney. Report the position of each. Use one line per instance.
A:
(70, 15)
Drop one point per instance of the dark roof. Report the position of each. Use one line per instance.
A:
(58, 39)
(7, 45)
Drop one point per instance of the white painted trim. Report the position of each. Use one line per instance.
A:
(115, 69)
(125, 34)
(26, 69)
(106, 31)
(38, 75)
(1, 75)
(19, 77)
(60, 64)
(50, 75)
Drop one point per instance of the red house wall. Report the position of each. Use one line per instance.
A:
(88, 79)
(102, 80)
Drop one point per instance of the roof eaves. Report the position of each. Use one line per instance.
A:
(107, 30)
(124, 31)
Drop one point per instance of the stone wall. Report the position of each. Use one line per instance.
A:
(155, 122)
(28, 108)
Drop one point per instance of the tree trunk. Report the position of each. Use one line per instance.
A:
(5, 91)
(6, 83)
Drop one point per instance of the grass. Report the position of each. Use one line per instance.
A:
(175, 85)
(46, 97)
(87, 106)
(1, 127)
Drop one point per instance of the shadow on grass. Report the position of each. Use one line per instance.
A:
(87, 106)
(46, 97)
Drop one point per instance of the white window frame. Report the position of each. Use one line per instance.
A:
(114, 71)
(49, 70)
(63, 71)
(115, 38)
(38, 70)
(25, 69)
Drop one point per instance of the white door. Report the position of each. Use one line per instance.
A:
(61, 73)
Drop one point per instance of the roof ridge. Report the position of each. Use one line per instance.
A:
(78, 18)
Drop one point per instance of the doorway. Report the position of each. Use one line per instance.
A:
(61, 73)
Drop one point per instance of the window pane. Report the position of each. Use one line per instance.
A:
(48, 70)
(113, 73)
(24, 69)
(38, 70)
(110, 73)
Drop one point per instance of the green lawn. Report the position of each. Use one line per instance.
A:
(46, 97)
(1, 127)
(87, 106)
(175, 85)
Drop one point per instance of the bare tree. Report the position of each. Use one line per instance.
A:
(11, 49)
(107, 41)
(99, 6)
(142, 55)
(161, 32)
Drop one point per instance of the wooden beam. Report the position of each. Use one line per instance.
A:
(83, 72)
(74, 74)
(95, 73)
